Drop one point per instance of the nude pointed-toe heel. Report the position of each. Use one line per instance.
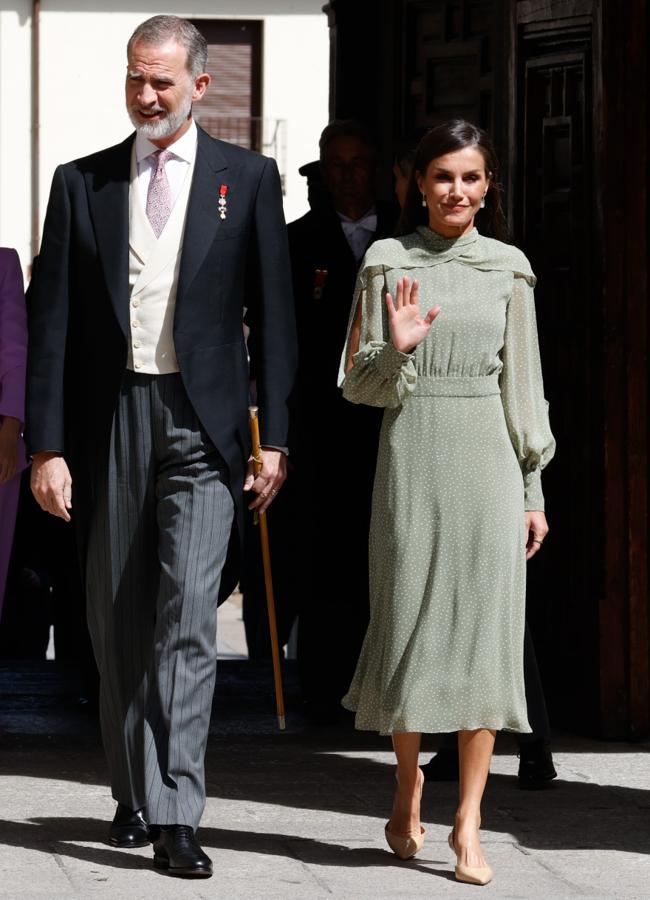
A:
(405, 847)
(470, 874)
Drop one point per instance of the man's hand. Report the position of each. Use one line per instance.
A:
(9, 434)
(536, 531)
(269, 479)
(52, 484)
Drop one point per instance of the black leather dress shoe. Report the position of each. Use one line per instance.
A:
(443, 766)
(536, 769)
(129, 828)
(177, 850)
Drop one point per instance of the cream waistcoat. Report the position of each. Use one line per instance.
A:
(153, 279)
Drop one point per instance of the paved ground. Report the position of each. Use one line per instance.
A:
(231, 642)
(301, 814)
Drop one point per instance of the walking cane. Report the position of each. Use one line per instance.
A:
(268, 581)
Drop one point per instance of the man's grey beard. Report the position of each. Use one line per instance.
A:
(171, 122)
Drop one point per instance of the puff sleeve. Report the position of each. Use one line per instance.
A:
(380, 375)
(522, 392)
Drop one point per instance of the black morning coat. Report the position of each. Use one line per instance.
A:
(78, 311)
(324, 273)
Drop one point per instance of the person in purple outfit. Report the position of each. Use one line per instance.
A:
(13, 359)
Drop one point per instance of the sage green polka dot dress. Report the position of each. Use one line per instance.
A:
(464, 439)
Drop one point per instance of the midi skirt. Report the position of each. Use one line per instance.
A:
(444, 647)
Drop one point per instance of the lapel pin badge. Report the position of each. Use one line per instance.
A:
(223, 202)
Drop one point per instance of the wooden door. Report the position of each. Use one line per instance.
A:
(587, 598)
(554, 218)
(453, 60)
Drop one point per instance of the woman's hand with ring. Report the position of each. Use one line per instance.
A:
(536, 531)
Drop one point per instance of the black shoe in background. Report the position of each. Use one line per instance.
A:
(129, 828)
(536, 769)
(443, 766)
(177, 850)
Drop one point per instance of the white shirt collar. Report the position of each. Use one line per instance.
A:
(184, 148)
(368, 221)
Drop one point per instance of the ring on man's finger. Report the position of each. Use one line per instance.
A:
(535, 541)
(273, 492)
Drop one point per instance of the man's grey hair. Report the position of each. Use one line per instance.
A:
(160, 29)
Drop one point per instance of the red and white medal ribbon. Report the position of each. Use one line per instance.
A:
(223, 202)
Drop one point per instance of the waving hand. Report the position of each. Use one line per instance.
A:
(406, 325)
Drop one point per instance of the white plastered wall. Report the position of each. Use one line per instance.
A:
(82, 63)
(15, 129)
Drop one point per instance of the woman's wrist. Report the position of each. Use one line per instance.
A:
(406, 350)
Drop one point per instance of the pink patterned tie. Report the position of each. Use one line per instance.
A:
(159, 195)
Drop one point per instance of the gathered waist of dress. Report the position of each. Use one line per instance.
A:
(457, 386)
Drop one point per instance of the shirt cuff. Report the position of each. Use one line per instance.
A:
(390, 360)
(533, 496)
(284, 450)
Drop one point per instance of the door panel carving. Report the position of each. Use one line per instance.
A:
(450, 50)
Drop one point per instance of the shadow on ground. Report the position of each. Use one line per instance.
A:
(333, 770)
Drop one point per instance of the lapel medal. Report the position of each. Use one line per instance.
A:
(320, 277)
(223, 204)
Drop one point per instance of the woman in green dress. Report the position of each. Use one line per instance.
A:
(443, 335)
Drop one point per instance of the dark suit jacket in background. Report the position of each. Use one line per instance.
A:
(78, 308)
(335, 444)
(317, 241)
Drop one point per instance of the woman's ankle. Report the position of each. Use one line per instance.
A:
(408, 776)
(467, 817)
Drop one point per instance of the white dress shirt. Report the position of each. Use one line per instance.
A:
(359, 232)
(154, 262)
(176, 168)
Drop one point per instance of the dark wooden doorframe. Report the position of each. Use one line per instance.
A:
(551, 205)
(621, 206)
(609, 692)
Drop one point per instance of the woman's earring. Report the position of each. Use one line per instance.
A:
(424, 199)
(483, 202)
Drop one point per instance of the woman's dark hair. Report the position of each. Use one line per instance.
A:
(405, 150)
(447, 138)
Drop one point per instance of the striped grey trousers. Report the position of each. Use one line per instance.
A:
(157, 545)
